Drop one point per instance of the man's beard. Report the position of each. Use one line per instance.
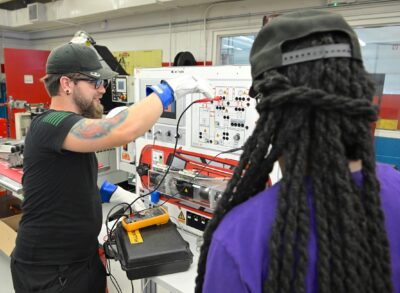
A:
(94, 111)
(91, 109)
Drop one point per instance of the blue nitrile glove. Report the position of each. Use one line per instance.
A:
(116, 194)
(176, 88)
(163, 91)
(107, 189)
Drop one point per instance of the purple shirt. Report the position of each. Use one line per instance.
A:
(238, 255)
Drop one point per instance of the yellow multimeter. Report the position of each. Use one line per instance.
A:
(150, 217)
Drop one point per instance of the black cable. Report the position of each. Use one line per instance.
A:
(110, 231)
(168, 198)
(140, 158)
(108, 214)
(115, 283)
(129, 206)
(170, 164)
(112, 278)
(213, 160)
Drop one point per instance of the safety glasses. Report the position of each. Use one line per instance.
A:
(96, 82)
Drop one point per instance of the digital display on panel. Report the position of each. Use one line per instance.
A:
(121, 84)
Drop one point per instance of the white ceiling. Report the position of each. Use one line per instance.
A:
(60, 14)
(76, 12)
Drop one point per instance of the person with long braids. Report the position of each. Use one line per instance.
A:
(332, 223)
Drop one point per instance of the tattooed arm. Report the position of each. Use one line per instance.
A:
(89, 135)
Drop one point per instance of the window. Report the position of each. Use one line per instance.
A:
(380, 48)
(381, 55)
(235, 50)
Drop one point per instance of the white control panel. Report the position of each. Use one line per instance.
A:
(217, 126)
(122, 89)
(227, 123)
(206, 128)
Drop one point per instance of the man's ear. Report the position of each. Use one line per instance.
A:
(65, 83)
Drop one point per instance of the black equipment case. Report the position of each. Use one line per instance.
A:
(162, 252)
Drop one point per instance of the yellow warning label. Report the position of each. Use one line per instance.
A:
(181, 217)
(135, 237)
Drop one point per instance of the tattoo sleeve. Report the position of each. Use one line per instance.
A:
(95, 129)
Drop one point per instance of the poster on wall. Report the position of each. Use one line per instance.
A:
(129, 60)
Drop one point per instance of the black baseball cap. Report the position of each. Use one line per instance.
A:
(77, 58)
(266, 52)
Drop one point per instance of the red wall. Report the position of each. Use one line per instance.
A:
(17, 64)
(390, 108)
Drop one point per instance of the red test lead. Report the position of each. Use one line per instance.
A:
(207, 100)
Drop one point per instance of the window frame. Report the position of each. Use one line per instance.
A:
(218, 35)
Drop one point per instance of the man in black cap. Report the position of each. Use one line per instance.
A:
(331, 224)
(56, 247)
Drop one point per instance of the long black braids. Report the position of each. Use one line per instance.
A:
(316, 116)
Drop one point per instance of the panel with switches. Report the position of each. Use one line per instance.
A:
(196, 221)
(226, 123)
(166, 133)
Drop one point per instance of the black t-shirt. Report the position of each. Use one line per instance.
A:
(61, 209)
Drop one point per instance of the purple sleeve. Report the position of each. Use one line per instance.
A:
(222, 274)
